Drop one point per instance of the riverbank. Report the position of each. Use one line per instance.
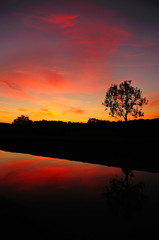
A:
(133, 146)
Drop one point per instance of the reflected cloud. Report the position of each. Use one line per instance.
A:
(34, 176)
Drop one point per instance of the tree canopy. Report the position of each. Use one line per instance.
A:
(124, 99)
(22, 120)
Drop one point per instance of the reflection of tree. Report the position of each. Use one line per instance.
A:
(123, 197)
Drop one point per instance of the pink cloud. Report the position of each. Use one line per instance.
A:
(58, 18)
(38, 80)
(9, 84)
(81, 50)
(59, 54)
(84, 36)
(64, 20)
(50, 22)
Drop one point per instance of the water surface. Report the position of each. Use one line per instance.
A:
(76, 199)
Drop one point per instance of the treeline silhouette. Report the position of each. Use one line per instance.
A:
(132, 144)
(148, 127)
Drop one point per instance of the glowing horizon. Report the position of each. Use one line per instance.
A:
(57, 60)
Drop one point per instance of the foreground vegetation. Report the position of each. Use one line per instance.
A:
(132, 144)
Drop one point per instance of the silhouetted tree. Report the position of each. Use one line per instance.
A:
(22, 120)
(124, 100)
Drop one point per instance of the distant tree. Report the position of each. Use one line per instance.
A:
(123, 100)
(94, 120)
(22, 120)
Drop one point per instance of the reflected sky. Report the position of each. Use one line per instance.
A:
(74, 191)
(22, 174)
(26, 177)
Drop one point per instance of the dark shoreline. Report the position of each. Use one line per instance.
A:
(133, 145)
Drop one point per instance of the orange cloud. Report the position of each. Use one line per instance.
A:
(75, 110)
(153, 103)
(151, 116)
(35, 114)
(52, 111)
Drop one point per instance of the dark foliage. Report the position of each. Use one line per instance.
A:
(123, 100)
(135, 127)
(22, 120)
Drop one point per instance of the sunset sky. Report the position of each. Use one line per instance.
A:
(58, 58)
